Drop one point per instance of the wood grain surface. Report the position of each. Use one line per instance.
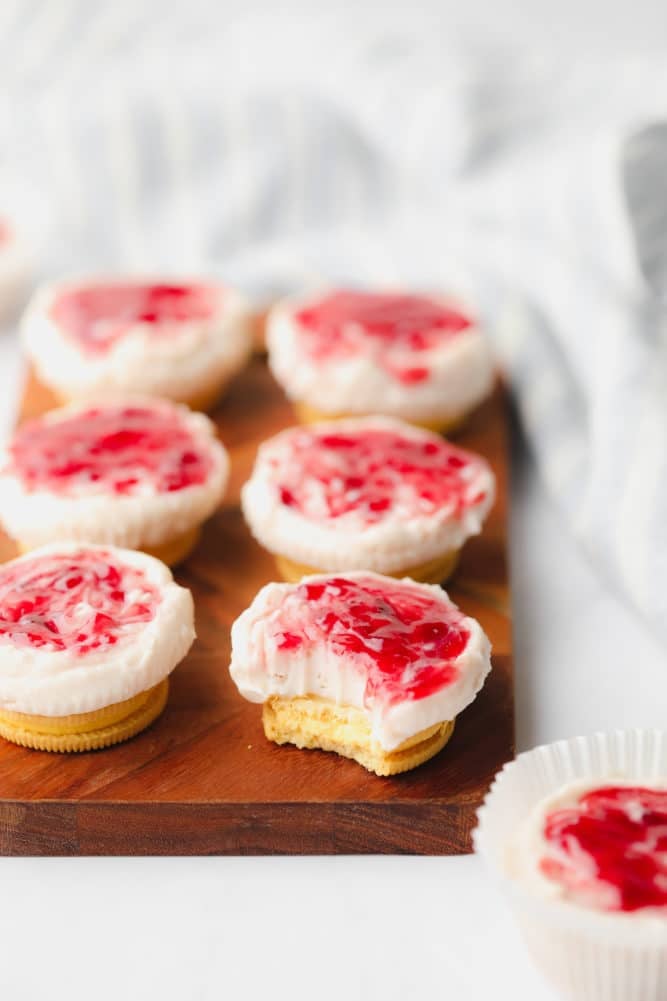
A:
(203, 779)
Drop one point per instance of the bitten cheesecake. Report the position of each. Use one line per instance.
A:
(88, 638)
(370, 667)
(140, 473)
(346, 353)
(179, 340)
(366, 494)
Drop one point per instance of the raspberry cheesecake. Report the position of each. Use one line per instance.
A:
(140, 473)
(180, 340)
(345, 353)
(372, 668)
(366, 494)
(600, 846)
(88, 638)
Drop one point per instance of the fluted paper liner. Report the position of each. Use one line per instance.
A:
(589, 955)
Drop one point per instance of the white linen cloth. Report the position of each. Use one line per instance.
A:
(280, 151)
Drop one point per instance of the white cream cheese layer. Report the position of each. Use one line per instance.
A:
(404, 537)
(146, 517)
(461, 374)
(530, 847)
(59, 683)
(260, 670)
(191, 359)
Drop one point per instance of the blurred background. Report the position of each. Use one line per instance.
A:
(515, 152)
(277, 143)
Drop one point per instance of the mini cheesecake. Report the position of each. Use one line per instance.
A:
(366, 494)
(179, 340)
(346, 353)
(372, 668)
(88, 638)
(600, 846)
(140, 473)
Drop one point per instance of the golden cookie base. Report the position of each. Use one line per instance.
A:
(175, 550)
(432, 572)
(311, 722)
(311, 415)
(207, 399)
(171, 552)
(204, 401)
(259, 348)
(86, 731)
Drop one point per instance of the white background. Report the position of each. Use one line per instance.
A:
(355, 928)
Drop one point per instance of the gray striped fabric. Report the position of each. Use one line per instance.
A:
(277, 151)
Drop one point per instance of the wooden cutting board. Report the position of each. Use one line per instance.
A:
(203, 779)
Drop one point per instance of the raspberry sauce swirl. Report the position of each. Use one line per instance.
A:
(97, 316)
(77, 601)
(609, 849)
(396, 330)
(373, 472)
(119, 449)
(404, 638)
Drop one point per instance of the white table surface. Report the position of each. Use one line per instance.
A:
(355, 928)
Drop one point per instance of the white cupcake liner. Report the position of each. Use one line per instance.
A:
(588, 955)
